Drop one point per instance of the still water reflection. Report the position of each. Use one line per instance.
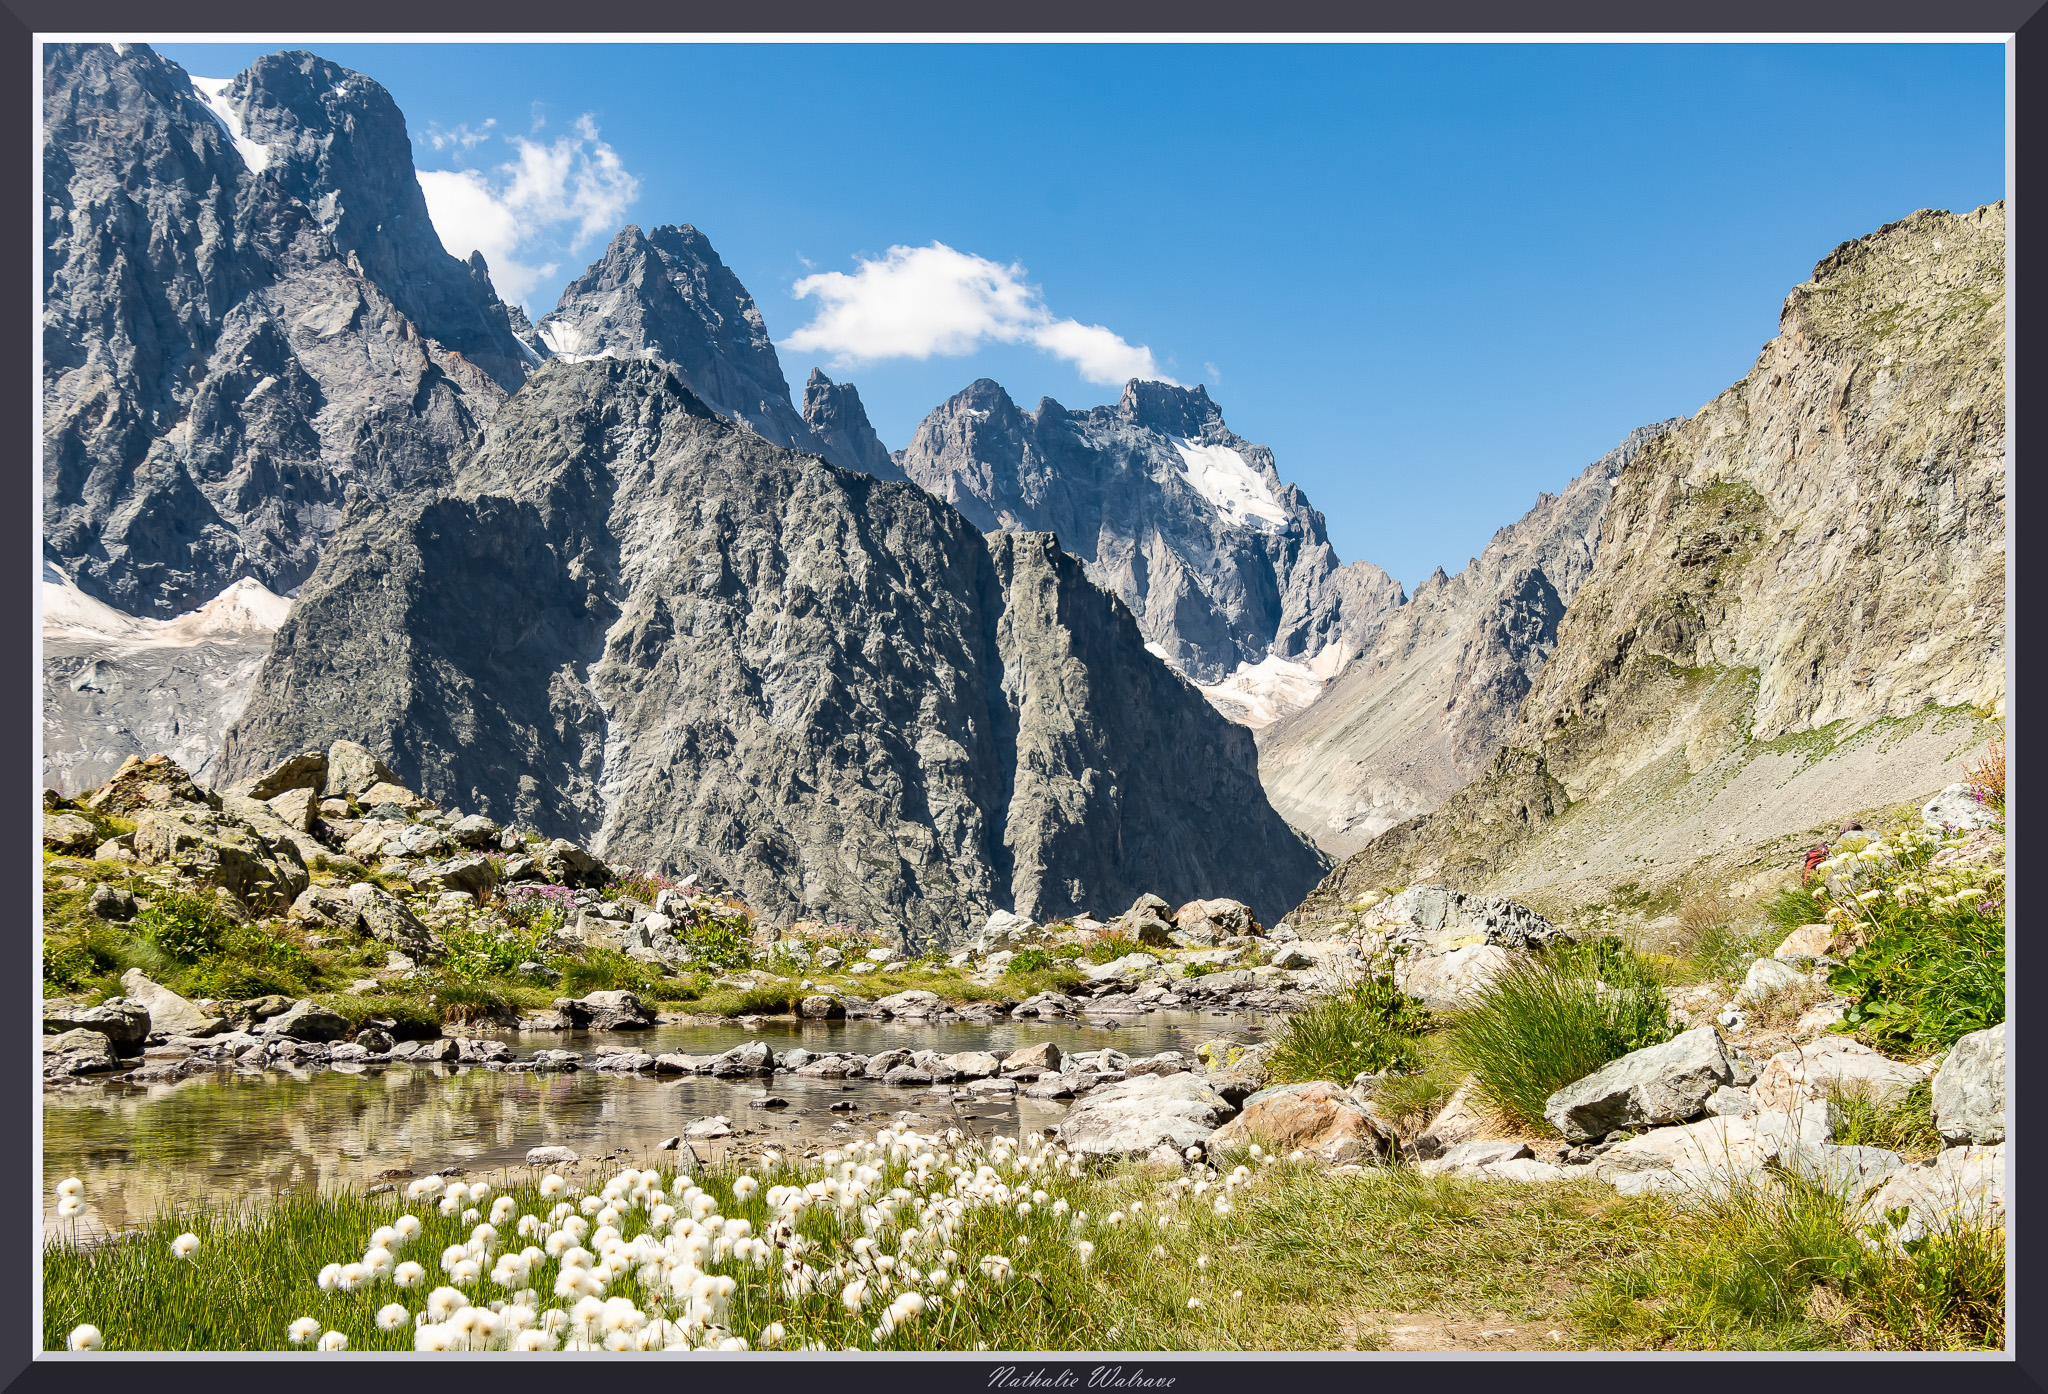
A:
(217, 1138)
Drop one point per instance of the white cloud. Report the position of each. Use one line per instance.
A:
(914, 302)
(1215, 373)
(463, 138)
(555, 197)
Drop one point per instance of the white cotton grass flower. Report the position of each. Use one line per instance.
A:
(86, 1337)
(472, 1216)
(70, 1206)
(536, 1340)
(407, 1228)
(302, 1331)
(552, 1185)
(1084, 1250)
(744, 1188)
(72, 1186)
(377, 1263)
(392, 1317)
(442, 1303)
(1194, 1304)
(503, 1209)
(329, 1278)
(353, 1276)
(185, 1245)
(408, 1275)
(334, 1340)
(465, 1273)
(433, 1336)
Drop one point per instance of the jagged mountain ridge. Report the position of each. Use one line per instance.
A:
(1797, 609)
(1422, 712)
(1222, 563)
(220, 370)
(829, 690)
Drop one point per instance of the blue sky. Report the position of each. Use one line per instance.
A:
(1434, 279)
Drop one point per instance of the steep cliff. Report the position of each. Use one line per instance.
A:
(1222, 563)
(1797, 608)
(620, 617)
(1424, 709)
(245, 317)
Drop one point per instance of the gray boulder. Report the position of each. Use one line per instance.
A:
(354, 769)
(613, 1010)
(383, 918)
(753, 1058)
(78, 1052)
(1969, 1090)
(1765, 977)
(1958, 807)
(1131, 1118)
(1044, 1055)
(125, 1024)
(1467, 1158)
(1962, 1188)
(304, 1021)
(820, 1007)
(111, 902)
(913, 1002)
(1659, 1084)
(475, 830)
(551, 1157)
(168, 1012)
(1797, 1077)
(1004, 930)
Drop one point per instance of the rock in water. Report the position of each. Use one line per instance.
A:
(630, 623)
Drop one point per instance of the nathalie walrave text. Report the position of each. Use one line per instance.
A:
(1101, 1377)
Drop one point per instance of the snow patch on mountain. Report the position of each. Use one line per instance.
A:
(214, 92)
(1220, 475)
(1259, 694)
(246, 608)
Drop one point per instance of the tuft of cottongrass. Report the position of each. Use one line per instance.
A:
(333, 1340)
(185, 1245)
(302, 1331)
(71, 1186)
(86, 1337)
(393, 1317)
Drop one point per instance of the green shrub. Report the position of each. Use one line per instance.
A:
(415, 1019)
(1368, 1027)
(769, 999)
(603, 969)
(66, 966)
(1067, 951)
(1028, 961)
(475, 955)
(253, 963)
(721, 938)
(1109, 947)
(457, 999)
(1540, 1025)
(185, 928)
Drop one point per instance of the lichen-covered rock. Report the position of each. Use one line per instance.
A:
(1969, 1090)
(78, 1052)
(155, 783)
(201, 846)
(168, 1012)
(67, 832)
(1962, 1188)
(1959, 808)
(381, 916)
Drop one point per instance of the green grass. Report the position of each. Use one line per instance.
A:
(1782, 1265)
(1368, 1027)
(1904, 1125)
(1540, 1025)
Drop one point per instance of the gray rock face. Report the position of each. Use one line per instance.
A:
(839, 423)
(1969, 1090)
(720, 657)
(616, 1010)
(1725, 554)
(239, 334)
(1659, 1084)
(78, 1052)
(1963, 1188)
(1958, 807)
(1422, 711)
(1184, 521)
(304, 1021)
(1131, 1118)
(168, 1012)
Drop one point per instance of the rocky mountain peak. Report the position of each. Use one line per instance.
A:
(1223, 564)
(335, 140)
(1174, 411)
(836, 417)
(665, 295)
